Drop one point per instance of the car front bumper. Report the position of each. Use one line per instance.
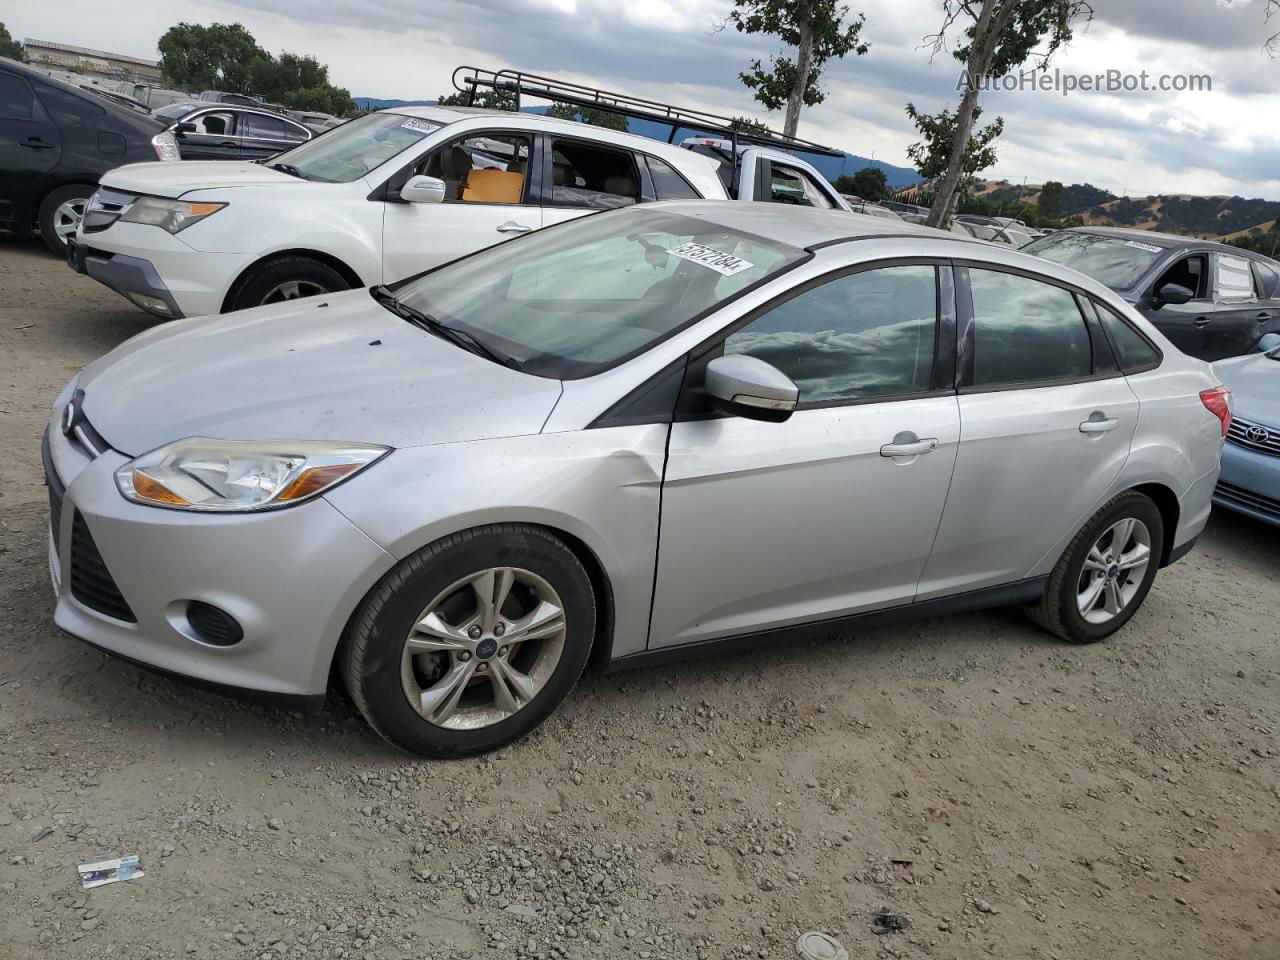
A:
(126, 576)
(155, 270)
(1250, 483)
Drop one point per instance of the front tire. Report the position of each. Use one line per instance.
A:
(61, 213)
(283, 279)
(471, 642)
(1105, 573)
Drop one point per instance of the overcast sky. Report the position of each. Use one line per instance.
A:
(1223, 141)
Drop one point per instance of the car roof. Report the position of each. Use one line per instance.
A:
(633, 141)
(1169, 241)
(803, 227)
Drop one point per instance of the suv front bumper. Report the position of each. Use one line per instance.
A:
(132, 277)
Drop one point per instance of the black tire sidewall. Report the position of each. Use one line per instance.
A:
(259, 283)
(1134, 505)
(50, 206)
(378, 670)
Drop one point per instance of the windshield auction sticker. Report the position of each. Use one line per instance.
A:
(710, 257)
(422, 126)
(1149, 247)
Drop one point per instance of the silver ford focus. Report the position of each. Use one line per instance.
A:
(615, 441)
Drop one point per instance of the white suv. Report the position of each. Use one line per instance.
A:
(373, 201)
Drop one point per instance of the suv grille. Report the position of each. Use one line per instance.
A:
(105, 208)
(1254, 436)
(91, 582)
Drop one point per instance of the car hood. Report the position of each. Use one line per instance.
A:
(339, 368)
(174, 179)
(1255, 386)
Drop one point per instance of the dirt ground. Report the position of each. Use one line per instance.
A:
(1016, 797)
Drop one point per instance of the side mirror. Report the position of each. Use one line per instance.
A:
(1269, 342)
(1173, 293)
(422, 189)
(748, 387)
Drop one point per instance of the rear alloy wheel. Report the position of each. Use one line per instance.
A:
(1105, 573)
(501, 640)
(60, 215)
(284, 279)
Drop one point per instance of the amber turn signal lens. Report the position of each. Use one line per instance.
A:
(316, 478)
(204, 209)
(150, 489)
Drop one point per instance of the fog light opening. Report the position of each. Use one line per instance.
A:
(213, 626)
(151, 304)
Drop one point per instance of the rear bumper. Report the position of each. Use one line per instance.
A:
(1250, 483)
(133, 278)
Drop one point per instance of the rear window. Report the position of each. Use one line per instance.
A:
(1118, 263)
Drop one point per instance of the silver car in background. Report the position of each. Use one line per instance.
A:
(619, 440)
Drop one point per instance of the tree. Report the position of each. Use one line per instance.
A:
(597, 118)
(869, 183)
(1050, 200)
(817, 29)
(747, 125)
(220, 56)
(933, 154)
(491, 99)
(1000, 36)
(8, 46)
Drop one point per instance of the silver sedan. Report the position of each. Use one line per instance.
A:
(616, 441)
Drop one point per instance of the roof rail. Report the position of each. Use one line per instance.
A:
(466, 79)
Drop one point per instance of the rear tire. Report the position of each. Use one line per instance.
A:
(433, 676)
(283, 279)
(60, 214)
(1087, 605)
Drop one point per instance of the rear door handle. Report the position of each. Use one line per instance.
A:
(914, 449)
(512, 227)
(1203, 321)
(1104, 425)
(37, 143)
(1264, 315)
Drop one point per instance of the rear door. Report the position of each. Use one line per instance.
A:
(585, 176)
(1240, 312)
(491, 195)
(1046, 419)
(209, 135)
(30, 146)
(265, 136)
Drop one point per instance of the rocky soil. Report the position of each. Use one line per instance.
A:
(1013, 796)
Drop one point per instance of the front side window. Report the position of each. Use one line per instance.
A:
(793, 186)
(586, 175)
(869, 334)
(348, 152)
(16, 101)
(216, 124)
(574, 300)
(1116, 262)
(1026, 332)
(1235, 279)
(1190, 272)
(483, 168)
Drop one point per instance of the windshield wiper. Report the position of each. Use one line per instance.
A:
(382, 293)
(290, 169)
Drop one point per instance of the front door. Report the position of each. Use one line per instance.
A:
(490, 196)
(1185, 324)
(30, 145)
(834, 511)
(1045, 430)
(209, 135)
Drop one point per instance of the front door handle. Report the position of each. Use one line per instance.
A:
(1264, 315)
(512, 227)
(915, 448)
(1203, 321)
(37, 143)
(1102, 425)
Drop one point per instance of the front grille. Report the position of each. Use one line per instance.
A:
(1264, 439)
(106, 207)
(91, 581)
(56, 490)
(1247, 498)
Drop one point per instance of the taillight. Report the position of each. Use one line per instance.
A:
(1218, 402)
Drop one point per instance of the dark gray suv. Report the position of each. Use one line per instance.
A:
(1211, 299)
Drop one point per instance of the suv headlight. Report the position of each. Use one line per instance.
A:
(171, 215)
(166, 146)
(236, 476)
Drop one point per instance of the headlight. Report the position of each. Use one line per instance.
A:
(165, 146)
(229, 475)
(172, 215)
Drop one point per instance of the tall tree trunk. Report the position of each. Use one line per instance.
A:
(804, 65)
(992, 21)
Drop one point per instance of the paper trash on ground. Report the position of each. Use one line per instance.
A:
(109, 871)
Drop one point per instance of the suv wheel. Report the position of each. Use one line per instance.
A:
(1105, 573)
(472, 641)
(61, 213)
(286, 278)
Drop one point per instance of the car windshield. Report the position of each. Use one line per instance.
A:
(350, 151)
(1118, 263)
(574, 300)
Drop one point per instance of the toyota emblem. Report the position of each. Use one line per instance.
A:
(1257, 434)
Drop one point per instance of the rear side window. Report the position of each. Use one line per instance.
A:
(869, 334)
(1026, 332)
(669, 185)
(585, 175)
(1267, 280)
(1235, 279)
(66, 108)
(1132, 350)
(16, 102)
(269, 128)
(796, 187)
